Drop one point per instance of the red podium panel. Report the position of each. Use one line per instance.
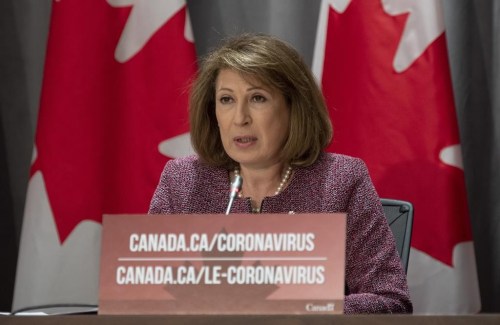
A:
(218, 264)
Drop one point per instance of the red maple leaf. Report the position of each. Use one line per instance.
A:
(397, 122)
(101, 121)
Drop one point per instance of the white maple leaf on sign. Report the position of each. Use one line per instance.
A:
(146, 18)
(425, 23)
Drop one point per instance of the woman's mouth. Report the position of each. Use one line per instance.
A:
(244, 140)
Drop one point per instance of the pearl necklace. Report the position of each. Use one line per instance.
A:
(284, 180)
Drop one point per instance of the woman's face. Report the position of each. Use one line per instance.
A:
(253, 119)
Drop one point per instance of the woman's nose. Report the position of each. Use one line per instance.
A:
(242, 114)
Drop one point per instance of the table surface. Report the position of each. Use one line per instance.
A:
(253, 319)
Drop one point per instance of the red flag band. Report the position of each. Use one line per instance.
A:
(384, 72)
(113, 108)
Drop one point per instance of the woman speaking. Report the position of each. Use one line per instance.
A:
(257, 112)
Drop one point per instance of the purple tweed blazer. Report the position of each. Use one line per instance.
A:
(375, 280)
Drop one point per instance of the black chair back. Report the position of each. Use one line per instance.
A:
(399, 215)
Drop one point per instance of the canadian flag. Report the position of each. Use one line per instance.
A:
(384, 71)
(113, 110)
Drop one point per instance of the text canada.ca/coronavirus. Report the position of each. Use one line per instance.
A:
(216, 274)
(222, 242)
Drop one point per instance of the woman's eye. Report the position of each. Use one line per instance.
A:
(225, 99)
(258, 98)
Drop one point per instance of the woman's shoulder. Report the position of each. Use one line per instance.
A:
(188, 167)
(333, 169)
(340, 162)
(189, 162)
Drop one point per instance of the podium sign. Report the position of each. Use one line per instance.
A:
(218, 264)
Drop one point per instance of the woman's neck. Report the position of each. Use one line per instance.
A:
(261, 182)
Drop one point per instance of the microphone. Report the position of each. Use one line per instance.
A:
(235, 189)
